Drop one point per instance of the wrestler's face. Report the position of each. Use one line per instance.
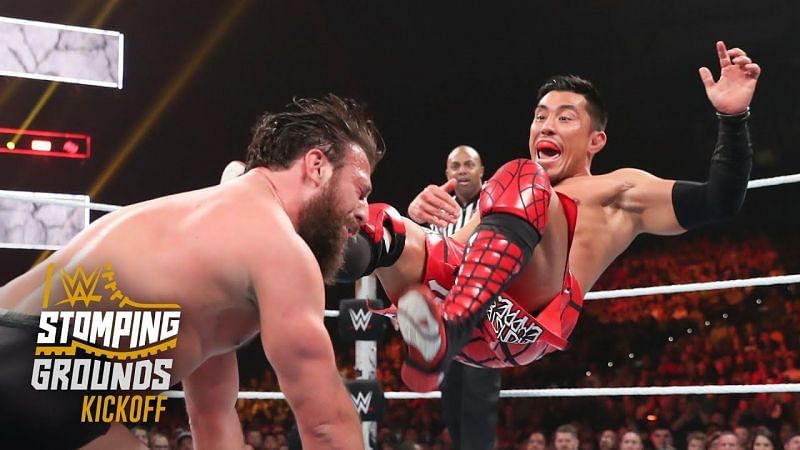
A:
(562, 137)
(354, 188)
(336, 212)
(631, 441)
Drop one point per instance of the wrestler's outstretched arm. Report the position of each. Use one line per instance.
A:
(291, 300)
(210, 401)
(661, 206)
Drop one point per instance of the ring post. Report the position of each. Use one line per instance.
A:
(367, 359)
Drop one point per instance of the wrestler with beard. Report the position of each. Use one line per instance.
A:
(243, 257)
(321, 224)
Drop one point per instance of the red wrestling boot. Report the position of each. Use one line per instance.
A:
(422, 326)
(513, 208)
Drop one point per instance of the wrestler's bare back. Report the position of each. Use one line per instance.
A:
(196, 249)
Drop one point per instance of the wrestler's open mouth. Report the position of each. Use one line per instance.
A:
(547, 150)
(350, 230)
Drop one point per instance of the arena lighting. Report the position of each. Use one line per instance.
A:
(62, 53)
(45, 143)
(41, 145)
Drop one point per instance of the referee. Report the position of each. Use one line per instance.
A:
(469, 394)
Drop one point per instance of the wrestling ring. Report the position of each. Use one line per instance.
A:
(366, 359)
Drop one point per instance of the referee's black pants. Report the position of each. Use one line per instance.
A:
(469, 406)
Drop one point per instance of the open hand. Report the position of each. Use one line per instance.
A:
(731, 94)
(435, 205)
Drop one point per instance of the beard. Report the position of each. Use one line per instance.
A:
(321, 225)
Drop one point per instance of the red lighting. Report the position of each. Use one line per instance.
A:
(70, 147)
(44, 143)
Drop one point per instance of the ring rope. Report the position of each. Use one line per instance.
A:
(676, 288)
(773, 181)
(566, 392)
(692, 287)
(36, 198)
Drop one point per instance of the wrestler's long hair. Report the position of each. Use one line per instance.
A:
(330, 124)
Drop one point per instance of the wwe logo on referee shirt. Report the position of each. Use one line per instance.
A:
(362, 401)
(360, 318)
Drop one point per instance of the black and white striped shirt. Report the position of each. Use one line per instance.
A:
(466, 213)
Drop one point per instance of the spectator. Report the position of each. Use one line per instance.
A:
(184, 441)
(536, 441)
(608, 440)
(696, 441)
(631, 441)
(763, 439)
(159, 442)
(724, 440)
(566, 438)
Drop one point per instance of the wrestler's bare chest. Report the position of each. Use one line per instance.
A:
(603, 230)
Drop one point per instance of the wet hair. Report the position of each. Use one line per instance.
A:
(572, 83)
(330, 123)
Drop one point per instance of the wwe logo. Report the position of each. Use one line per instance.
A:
(360, 318)
(80, 287)
(362, 401)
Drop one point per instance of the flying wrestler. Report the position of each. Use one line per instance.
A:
(547, 230)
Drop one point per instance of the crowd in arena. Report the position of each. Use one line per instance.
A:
(736, 336)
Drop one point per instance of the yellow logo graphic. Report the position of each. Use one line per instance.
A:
(150, 328)
(80, 288)
(121, 339)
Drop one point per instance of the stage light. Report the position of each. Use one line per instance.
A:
(45, 143)
(41, 145)
(70, 147)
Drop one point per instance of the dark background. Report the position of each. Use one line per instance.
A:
(435, 75)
